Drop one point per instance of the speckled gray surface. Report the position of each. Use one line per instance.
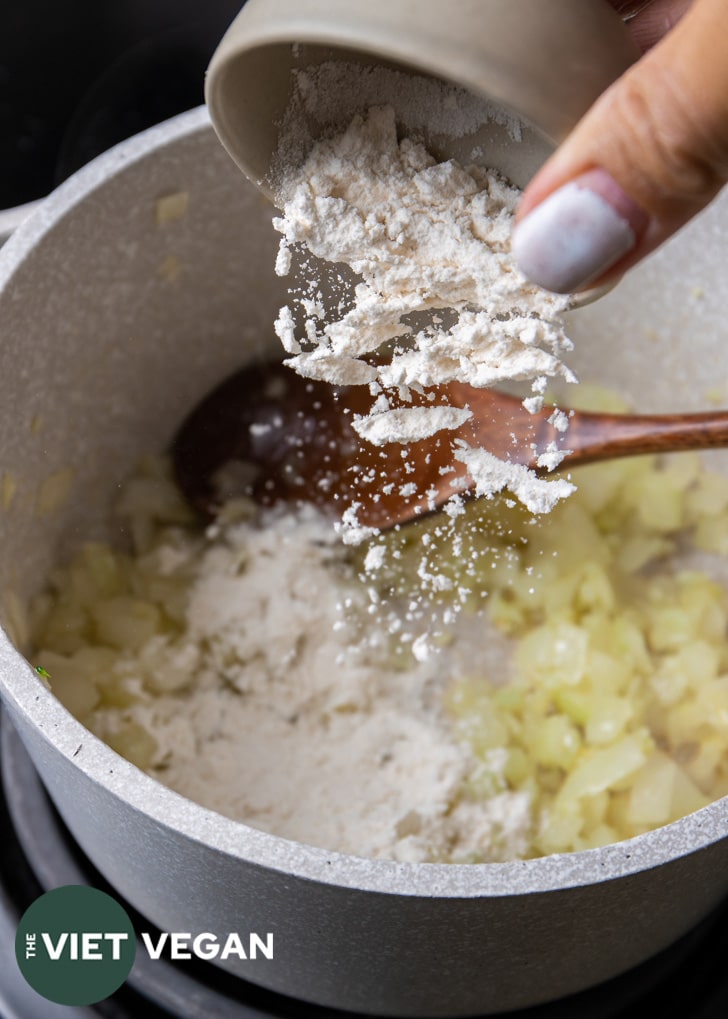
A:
(100, 355)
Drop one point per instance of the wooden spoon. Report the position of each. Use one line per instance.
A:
(268, 433)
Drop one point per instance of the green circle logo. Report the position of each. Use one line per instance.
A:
(75, 945)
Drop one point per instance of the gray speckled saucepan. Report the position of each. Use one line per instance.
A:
(112, 326)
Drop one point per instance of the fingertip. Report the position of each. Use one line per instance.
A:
(577, 233)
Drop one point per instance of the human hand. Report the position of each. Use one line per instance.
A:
(650, 154)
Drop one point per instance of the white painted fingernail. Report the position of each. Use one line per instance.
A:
(571, 238)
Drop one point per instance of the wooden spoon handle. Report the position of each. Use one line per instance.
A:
(501, 424)
(606, 436)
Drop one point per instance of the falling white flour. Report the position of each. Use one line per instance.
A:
(436, 289)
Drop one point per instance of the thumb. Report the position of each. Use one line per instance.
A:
(649, 154)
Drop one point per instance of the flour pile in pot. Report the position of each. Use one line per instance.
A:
(243, 668)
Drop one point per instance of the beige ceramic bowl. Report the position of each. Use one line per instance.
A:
(546, 62)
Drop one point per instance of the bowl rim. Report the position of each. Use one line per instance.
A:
(29, 700)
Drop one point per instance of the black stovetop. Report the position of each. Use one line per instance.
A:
(78, 76)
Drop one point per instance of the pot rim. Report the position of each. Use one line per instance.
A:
(29, 699)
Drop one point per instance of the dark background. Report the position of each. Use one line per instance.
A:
(77, 76)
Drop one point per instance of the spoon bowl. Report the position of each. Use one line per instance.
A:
(270, 435)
